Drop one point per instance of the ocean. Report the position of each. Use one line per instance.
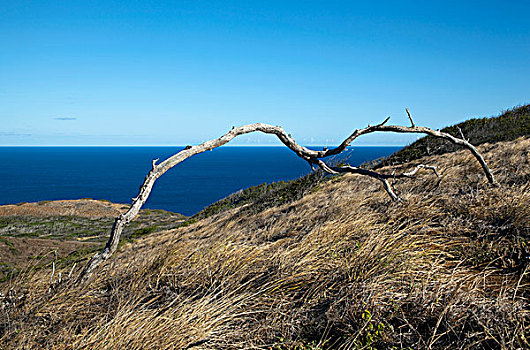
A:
(30, 174)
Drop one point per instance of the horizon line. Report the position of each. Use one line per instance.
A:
(250, 145)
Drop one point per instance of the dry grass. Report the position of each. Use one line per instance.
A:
(87, 208)
(340, 268)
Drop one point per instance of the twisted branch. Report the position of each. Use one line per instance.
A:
(384, 177)
(314, 158)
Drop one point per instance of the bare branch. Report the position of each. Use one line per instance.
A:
(418, 167)
(410, 118)
(445, 136)
(462, 134)
(313, 157)
(53, 271)
(384, 177)
(381, 177)
(413, 130)
(71, 270)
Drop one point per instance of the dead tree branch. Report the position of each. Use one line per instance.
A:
(410, 118)
(384, 177)
(314, 158)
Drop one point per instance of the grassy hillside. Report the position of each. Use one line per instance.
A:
(263, 196)
(341, 267)
(508, 126)
(71, 229)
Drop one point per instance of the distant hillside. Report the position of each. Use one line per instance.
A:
(73, 229)
(508, 126)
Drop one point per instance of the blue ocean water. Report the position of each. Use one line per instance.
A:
(29, 174)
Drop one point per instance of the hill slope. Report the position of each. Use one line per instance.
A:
(341, 267)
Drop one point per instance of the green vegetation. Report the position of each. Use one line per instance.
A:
(77, 256)
(508, 126)
(9, 244)
(263, 196)
(91, 229)
(144, 231)
(7, 271)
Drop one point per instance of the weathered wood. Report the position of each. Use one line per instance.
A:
(314, 158)
(384, 177)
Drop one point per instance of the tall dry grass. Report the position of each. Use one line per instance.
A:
(341, 268)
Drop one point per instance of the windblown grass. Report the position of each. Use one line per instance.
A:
(340, 268)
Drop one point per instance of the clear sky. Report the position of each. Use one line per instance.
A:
(180, 72)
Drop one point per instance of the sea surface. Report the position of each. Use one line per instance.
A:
(29, 174)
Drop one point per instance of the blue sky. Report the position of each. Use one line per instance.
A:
(180, 72)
